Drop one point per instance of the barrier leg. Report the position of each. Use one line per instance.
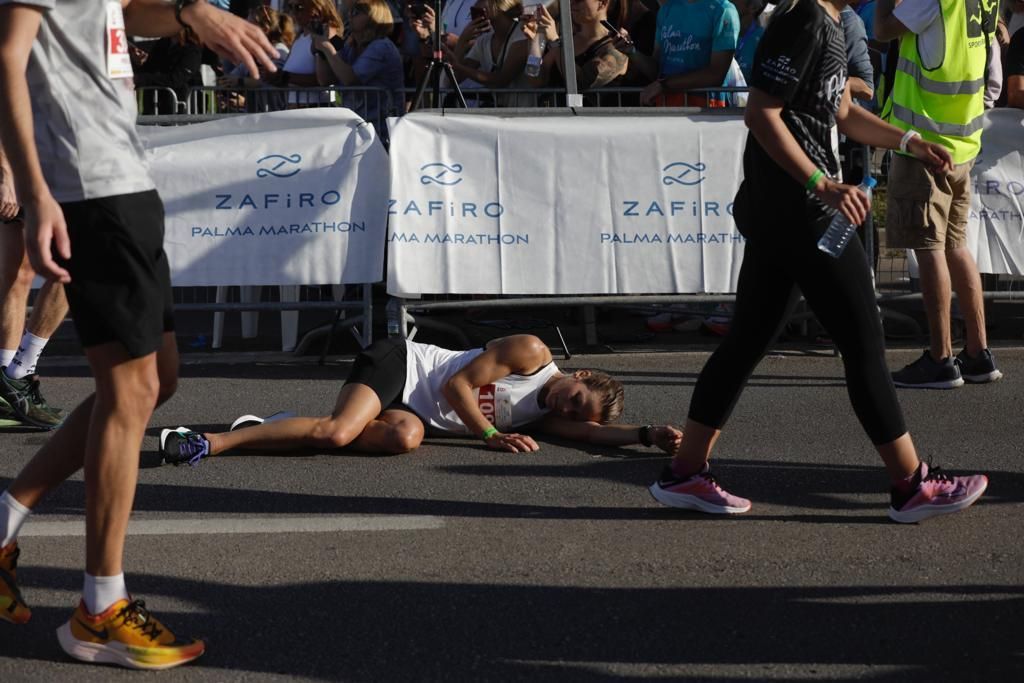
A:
(218, 319)
(289, 319)
(250, 319)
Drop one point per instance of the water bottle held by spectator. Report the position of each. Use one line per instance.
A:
(537, 45)
(840, 230)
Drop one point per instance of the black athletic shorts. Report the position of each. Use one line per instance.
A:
(381, 366)
(120, 289)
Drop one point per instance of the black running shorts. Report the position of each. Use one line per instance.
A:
(381, 366)
(120, 289)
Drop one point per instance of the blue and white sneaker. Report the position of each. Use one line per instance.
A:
(183, 445)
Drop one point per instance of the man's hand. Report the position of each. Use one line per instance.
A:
(650, 94)
(934, 156)
(45, 230)
(231, 37)
(512, 443)
(8, 199)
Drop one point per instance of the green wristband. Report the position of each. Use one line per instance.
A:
(488, 433)
(812, 182)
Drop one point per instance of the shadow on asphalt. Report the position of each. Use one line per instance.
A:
(814, 490)
(397, 631)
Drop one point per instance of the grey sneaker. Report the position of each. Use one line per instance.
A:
(27, 403)
(980, 369)
(927, 373)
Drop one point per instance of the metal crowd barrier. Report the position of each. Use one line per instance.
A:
(893, 281)
(352, 304)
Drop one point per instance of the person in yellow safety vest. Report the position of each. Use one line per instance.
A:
(938, 94)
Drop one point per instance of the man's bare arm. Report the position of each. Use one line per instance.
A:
(45, 225)
(224, 33)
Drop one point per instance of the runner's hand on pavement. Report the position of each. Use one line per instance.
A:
(512, 443)
(666, 437)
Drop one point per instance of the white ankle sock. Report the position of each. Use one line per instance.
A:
(12, 515)
(100, 592)
(25, 359)
(6, 356)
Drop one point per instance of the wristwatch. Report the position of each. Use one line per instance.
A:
(180, 5)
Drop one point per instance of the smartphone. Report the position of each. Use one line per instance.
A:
(477, 13)
(419, 9)
(608, 25)
(317, 27)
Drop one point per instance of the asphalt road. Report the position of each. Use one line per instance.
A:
(456, 563)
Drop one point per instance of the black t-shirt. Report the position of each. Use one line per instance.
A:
(1015, 55)
(801, 59)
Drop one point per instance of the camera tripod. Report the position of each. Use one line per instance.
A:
(437, 66)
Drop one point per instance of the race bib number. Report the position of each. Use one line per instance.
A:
(496, 405)
(119, 62)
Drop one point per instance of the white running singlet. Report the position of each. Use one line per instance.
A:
(508, 403)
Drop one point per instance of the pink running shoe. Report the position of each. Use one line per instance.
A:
(937, 494)
(699, 492)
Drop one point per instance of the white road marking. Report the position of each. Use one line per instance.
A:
(246, 525)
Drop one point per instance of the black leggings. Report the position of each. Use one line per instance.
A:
(840, 293)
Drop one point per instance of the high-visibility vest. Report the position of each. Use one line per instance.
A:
(945, 101)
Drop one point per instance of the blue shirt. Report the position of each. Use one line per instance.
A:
(688, 32)
(378, 66)
(746, 47)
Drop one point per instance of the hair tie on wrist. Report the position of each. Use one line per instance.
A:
(812, 182)
(488, 433)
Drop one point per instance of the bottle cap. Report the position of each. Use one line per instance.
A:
(870, 182)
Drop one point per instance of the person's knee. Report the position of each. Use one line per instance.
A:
(405, 437)
(330, 434)
(134, 392)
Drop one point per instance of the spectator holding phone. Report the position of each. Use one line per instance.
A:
(492, 50)
(366, 58)
(313, 17)
(695, 44)
(598, 63)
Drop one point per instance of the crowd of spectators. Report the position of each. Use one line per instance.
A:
(649, 52)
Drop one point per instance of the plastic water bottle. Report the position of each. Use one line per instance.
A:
(840, 230)
(536, 56)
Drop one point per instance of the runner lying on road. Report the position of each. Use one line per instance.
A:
(397, 389)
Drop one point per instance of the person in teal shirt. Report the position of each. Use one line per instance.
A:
(750, 33)
(695, 41)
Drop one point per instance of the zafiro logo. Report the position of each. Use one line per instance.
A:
(278, 166)
(682, 173)
(439, 173)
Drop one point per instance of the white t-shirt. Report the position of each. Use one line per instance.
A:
(481, 53)
(919, 16)
(83, 101)
(508, 403)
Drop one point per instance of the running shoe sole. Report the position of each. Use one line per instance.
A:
(116, 653)
(945, 384)
(245, 421)
(993, 376)
(685, 501)
(923, 512)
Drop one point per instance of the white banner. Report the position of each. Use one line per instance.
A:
(564, 205)
(285, 198)
(995, 233)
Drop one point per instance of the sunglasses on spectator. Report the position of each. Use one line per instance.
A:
(359, 9)
(296, 6)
